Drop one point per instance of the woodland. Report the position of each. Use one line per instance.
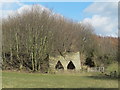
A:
(30, 37)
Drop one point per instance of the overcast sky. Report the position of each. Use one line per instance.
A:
(102, 15)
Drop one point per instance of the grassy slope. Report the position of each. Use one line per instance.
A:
(112, 67)
(83, 80)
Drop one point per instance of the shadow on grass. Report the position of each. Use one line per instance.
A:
(103, 77)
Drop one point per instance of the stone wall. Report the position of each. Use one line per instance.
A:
(68, 58)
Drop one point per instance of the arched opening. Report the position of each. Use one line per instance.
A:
(70, 65)
(59, 65)
(89, 62)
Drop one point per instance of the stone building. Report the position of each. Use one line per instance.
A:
(70, 61)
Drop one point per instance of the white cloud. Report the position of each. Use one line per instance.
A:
(9, 3)
(104, 18)
(102, 25)
(8, 8)
(5, 13)
(28, 7)
(23, 7)
(109, 8)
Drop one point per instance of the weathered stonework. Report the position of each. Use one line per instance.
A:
(69, 58)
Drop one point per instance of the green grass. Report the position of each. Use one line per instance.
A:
(112, 67)
(36, 80)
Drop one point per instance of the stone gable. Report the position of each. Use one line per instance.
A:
(70, 61)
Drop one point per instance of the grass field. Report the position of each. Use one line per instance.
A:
(36, 80)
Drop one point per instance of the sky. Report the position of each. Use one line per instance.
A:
(102, 15)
